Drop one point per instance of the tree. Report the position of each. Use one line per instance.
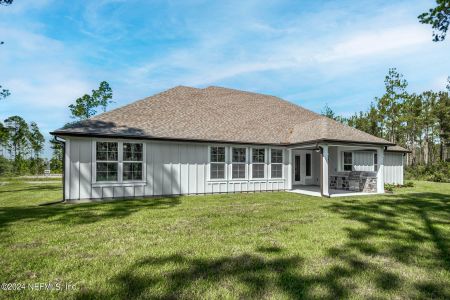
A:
(86, 106)
(56, 164)
(390, 104)
(36, 139)
(18, 144)
(3, 92)
(329, 113)
(439, 19)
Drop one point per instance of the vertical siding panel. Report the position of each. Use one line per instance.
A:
(184, 168)
(158, 170)
(192, 169)
(85, 149)
(74, 169)
(176, 166)
(167, 169)
(201, 169)
(148, 191)
(67, 173)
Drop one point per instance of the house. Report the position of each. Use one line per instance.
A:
(218, 140)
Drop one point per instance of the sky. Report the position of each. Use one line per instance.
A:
(311, 53)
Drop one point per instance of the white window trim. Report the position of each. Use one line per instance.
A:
(132, 161)
(244, 163)
(120, 162)
(282, 163)
(225, 163)
(258, 163)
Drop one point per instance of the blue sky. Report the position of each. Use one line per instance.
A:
(308, 52)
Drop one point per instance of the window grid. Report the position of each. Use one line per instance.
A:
(132, 161)
(217, 162)
(258, 161)
(238, 162)
(106, 161)
(348, 161)
(276, 163)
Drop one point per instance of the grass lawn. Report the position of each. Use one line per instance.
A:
(265, 245)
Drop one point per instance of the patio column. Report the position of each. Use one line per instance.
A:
(380, 173)
(324, 178)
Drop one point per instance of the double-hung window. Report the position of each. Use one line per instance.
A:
(119, 161)
(238, 162)
(258, 161)
(107, 161)
(217, 162)
(132, 161)
(348, 161)
(276, 163)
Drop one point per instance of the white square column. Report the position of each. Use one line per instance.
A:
(324, 178)
(380, 173)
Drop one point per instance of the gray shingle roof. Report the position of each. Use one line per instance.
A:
(218, 114)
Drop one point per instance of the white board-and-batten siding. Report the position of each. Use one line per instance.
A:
(171, 168)
(393, 168)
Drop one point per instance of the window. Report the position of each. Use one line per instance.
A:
(348, 161)
(308, 164)
(106, 161)
(238, 160)
(217, 162)
(132, 161)
(276, 163)
(258, 160)
(375, 162)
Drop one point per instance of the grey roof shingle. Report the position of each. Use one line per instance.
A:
(218, 114)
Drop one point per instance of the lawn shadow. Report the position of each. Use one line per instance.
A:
(396, 228)
(83, 213)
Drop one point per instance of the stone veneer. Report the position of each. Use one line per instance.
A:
(356, 181)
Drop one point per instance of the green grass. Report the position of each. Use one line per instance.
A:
(265, 245)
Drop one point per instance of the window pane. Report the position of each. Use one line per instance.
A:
(308, 164)
(276, 156)
(112, 156)
(239, 155)
(347, 158)
(277, 171)
(132, 152)
(238, 170)
(132, 171)
(106, 171)
(258, 171)
(258, 155)
(347, 167)
(217, 154)
(217, 171)
(102, 146)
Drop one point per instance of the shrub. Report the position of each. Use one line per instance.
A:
(389, 187)
(438, 172)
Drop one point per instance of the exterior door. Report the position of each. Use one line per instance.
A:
(297, 169)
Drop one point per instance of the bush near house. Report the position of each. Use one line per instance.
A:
(438, 172)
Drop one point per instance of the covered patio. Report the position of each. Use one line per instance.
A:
(337, 169)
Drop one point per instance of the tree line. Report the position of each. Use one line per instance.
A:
(420, 122)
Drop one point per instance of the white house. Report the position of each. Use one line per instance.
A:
(217, 140)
